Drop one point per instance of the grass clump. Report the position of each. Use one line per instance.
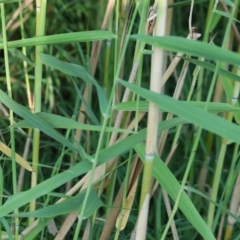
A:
(119, 120)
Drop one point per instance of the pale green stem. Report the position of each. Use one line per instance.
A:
(107, 83)
(119, 117)
(152, 125)
(188, 168)
(216, 181)
(107, 62)
(100, 141)
(197, 138)
(221, 157)
(12, 135)
(218, 171)
(211, 8)
(28, 90)
(40, 30)
(94, 165)
(234, 171)
(103, 127)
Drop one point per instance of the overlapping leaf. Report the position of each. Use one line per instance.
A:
(193, 48)
(167, 180)
(190, 113)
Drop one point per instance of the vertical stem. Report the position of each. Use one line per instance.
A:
(40, 29)
(205, 39)
(217, 175)
(12, 135)
(28, 90)
(100, 141)
(196, 141)
(153, 119)
(1, 194)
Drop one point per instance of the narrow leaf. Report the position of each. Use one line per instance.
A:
(67, 206)
(105, 155)
(190, 113)
(76, 71)
(87, 36)
(167, 180)
(229, 2)
(224, 14)
(56, 121)
(34, 120)
(8, 234)
(143, 106)
(193, 48)
(211, 67)
(42, 188)
(15, 52)
(8, 1)
(86, 105)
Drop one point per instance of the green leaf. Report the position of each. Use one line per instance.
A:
(226, 78)
(8, 1)
(142, 7)
(211, 67)
(76, 71)
(59, 195)
(42, 223)
(56, 121)
(42, 188)
(224, 14)
(79, 169)
(129, 142)
(194, 48)
(67, 206)
(8, 234)
(220, 206)
(34, 120)
(93, 204)
(214, 23)
(87, 36)
(15, 52)
(190, 113)
(167, 180)
(143, 106)
(229, 3)
(86, 105)
(105, 155)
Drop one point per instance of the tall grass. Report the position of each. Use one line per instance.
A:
(119, 120)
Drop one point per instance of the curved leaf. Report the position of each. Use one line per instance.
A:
(86, 36)
(33, 119)
(193, 48)
(67, 206)
(190, 113)
(76, 71)
(57, 121)
(167, 180)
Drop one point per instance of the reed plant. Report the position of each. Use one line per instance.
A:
(120, 119)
